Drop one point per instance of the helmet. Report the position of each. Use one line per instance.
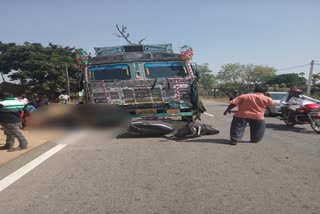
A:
(295, 92)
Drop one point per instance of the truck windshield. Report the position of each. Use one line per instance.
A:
(165, 70)
(110, 72)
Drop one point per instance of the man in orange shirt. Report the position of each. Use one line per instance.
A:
(251, 108)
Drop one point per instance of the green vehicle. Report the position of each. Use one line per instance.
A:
(145, 80)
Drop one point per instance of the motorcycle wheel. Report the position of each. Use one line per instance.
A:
(315, 125)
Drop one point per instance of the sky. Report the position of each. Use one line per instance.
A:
(277, 33)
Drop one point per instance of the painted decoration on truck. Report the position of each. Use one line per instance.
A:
(109, 51)
(163, 48)
(186, 52)
(157, 48)
(82, 57)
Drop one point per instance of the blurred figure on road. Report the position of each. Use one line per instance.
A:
(251, 109)
(11, 113)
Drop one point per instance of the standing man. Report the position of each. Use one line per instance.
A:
(233, 95)
(23, 99)
(43, 101)
(251, 108)
(29, 108)
(10, 120)
(64, 98)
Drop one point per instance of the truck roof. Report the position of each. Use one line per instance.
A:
(134, 52)
(133, 48)
(134, 56)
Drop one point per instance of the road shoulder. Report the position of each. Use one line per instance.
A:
(35, 139)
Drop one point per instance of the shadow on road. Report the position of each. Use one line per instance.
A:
(283, 127)
(129, 135)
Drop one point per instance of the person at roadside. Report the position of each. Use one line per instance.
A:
(294, 99)
(292, 102)
(23, 99)
(64, 98)
(11, 113)
(233, 95)
(43, 101)
(251, 109)
(29, 108)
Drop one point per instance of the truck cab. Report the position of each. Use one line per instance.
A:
(145, 80)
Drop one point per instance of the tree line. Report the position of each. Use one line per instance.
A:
(243, 77)
(41, 70)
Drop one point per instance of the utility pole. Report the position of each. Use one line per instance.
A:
(310, 78)
(68, 81)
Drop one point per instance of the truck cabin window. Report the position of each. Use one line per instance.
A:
(110, 72)
(165, 70)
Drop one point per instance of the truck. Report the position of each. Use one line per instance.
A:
(148, 81)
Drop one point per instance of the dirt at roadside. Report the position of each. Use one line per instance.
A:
(34, 138)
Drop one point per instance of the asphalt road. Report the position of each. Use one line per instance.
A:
(101, 174)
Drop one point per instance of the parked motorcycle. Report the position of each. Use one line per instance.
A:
(307, 114)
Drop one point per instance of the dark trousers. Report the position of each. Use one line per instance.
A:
(12, 131)
(238, 125)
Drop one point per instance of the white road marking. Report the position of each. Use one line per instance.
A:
(13, 177)
(210, 115)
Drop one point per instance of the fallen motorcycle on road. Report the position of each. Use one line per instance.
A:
(160, 128)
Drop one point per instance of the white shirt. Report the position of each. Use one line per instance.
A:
(64, 97)
(24, 100)
(295, 102)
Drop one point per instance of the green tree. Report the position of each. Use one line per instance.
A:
(316, 80)
(229, 73)
(243, 77)
(207, 79)
(245, 74)
(289, 80)
(38, 67)
(260, 74)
